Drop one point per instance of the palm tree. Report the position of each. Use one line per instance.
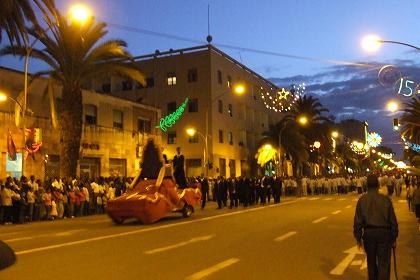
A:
(76, 57)
(14, 14)
(292, 141)
(411, 121)
(311, 108)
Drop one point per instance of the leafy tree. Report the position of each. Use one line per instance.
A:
(411, 121)
(76, 56)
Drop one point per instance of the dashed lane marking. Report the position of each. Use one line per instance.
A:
(341, 199)
(314, 198)
(285, 236)
(206, 272)
(319, 220)
(402, 201)
(336, 212)
(348, 206)
(58, 234)
(357, 262)
(148, 229)
(326, 199)
(355, 199)
(181, 244)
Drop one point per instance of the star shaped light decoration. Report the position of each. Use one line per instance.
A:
(374, 139)
(283, 94)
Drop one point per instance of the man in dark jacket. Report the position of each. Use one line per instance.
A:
(375, 223)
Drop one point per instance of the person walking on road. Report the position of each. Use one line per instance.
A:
(376, 224)
(416, 203)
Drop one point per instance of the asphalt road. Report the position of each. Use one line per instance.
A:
(303, 238)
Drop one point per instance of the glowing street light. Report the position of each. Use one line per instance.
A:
(191, 131)
(371, 43)
(392, 106)
(239, 89)
(334, 134)
(303, 120)
(317, 144)
(3, 96)
(80, 13)
(268, 147)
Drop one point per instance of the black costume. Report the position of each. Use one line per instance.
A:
(179, 172)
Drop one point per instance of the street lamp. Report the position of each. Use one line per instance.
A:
(303, 120)
(317, 144)
(372, 43)
(80, 13)
(238, 89)
(191, 132)
(392, 106)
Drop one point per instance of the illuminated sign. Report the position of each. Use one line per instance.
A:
(374, 139)
(171, 119)
(406, 87)
(14, 165)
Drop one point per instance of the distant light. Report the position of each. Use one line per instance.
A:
(268, 147)
(303, 120)
(3, 97)
(360, 146)
(371, 43)
(317, 144)
(239, 89)
(190, 131)
(334, 134)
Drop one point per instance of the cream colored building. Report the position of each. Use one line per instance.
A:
(206, 76)
(114, 130)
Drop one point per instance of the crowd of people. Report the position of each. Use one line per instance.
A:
(27, 200)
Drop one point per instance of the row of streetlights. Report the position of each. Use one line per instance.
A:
(79, 13)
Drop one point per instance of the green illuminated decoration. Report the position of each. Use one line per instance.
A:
(171, 119)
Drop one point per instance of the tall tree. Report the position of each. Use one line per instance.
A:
(75, 57)
(15, 14)
(411, 121)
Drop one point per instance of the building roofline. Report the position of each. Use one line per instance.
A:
(208, 47)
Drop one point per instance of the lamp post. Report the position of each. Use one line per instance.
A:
(238, 89)
(372, 43)
(4, 97)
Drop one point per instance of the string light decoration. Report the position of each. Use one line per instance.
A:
(169, 120)
(359, 148)
(282, 100)
(412, 146)
(374, 139)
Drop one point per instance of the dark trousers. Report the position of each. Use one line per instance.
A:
(377, 243)
(204, 199)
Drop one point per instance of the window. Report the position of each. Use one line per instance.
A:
(220, 106)
(172, 137)
(150, 82)
(219, 76)
(171, 107)
(193, 139)
(90, 114)
(229, 81)
(127, 85)
(193, 162)
(230, 138)
(144, 125)
(117, 119)
(193, 105)
(106, 87)
(220, 136)
(192, 75)
(230, 110)
(171, 80)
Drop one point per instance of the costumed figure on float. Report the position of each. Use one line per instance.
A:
(154, 192)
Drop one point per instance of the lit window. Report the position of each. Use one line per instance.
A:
(171, 137)
(229, 81)
(192, 75)
(117, 119)
(230, 110)
(171, 79)
(193, 105)
(220, 136)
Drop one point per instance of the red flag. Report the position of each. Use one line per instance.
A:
(11, 148)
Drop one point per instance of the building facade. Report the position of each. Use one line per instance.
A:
(114, 131)
(232, 125)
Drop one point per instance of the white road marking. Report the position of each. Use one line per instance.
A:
(341, 267)
(336, 212)
(319, 220)
(329, 198)
(206, 272)
(99, 221)
(104, 237)
(341, 199)
(402, 201)
(356, 262)
(355, 199)
(364, 264)
(348, 206)
(285, 236)
(314, 198)
(10, 233)
(64, 233)
(181, 244)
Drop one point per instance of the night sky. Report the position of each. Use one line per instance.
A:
(321, 29)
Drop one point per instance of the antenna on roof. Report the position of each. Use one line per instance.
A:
(209, 37)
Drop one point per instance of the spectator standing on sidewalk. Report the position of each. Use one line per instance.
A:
(375, 223)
